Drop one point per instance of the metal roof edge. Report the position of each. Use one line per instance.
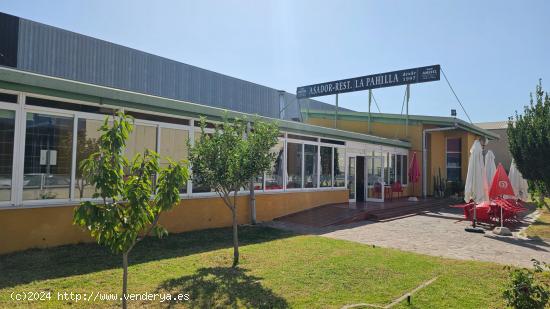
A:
(436, 120)
(145, 101)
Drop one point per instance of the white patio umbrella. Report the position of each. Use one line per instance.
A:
(519, 184)
(490, 167)
(476, 181)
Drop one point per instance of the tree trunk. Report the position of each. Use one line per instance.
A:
(252, 202)
(124, 279)
(235, 233)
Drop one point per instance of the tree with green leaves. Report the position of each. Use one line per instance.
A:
(86, 147)
(227, 159)
(529, 139)
(130, 204)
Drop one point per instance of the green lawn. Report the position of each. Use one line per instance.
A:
(541, 227)
(277, 270)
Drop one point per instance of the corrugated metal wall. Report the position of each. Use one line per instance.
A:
(56, 52)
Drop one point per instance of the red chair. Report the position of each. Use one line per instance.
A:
(483, 213)
(396, 187)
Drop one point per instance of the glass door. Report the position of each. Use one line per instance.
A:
(351, 179)
(375, 178)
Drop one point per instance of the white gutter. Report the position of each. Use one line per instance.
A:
(425, 156)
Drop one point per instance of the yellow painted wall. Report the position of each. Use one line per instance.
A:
(437, 153)
(393, 131)
(26, 228)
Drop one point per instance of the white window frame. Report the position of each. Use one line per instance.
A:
(264, 190)
(15, 107)
(299, 142)
(50, 112)
(191, 193)
(21, 109)
(344, 151)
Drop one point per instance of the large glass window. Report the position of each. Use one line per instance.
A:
(294, 165)
(142, 137)
(339, 167)
(387, 167)
(274, 177)
(405, 170)
(399, 168)
(48, 153)
(454, 159)
(376, 172)
(393, 163)
(173, 144)
(86, 144)
(7, 126)
(310, 166)
(370, 170)
(351, 178)
(8, 97)
(326, 166)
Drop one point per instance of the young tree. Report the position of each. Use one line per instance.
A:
(86, 147)
(228, 158)
(529, 139)
(126, 209)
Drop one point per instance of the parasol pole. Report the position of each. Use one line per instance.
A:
(501, 217)
(475, 215)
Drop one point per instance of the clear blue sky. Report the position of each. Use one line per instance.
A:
(493, 52)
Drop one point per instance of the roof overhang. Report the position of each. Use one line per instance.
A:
(399, 119)
(63, 88)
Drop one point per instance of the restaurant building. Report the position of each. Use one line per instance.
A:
(57, 86)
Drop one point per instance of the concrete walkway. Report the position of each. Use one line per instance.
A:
(437, 233)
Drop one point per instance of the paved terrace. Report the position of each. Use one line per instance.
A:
(437, 231)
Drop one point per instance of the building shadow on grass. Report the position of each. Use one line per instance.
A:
(70, 260)
(222, 287)
(532, 244)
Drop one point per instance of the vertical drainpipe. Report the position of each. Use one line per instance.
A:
(425, 156)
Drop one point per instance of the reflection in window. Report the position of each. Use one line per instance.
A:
(8, 97)
(258, 183)
(392, 168)
(86, 144)
(142, 137)
(454, 159)
(173, 144)
(387, 167)
(274, 177)
(399, 170)
(7, 125)
(326, 166)
(339, 167)
(405, 170)
(310, 166)
(351, 178)
(375, 169)
(371, 177)
(48, 152)
(294, 165)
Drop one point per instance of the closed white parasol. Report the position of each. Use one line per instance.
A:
(519, 184)
(490, 167)
(475, 188)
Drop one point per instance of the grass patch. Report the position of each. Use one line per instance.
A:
(278, 270)
(541, 227)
